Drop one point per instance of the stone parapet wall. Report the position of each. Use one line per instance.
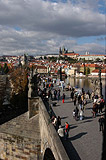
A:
(49, 136)
(14, 147)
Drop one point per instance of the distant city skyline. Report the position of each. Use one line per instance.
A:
(40, 27)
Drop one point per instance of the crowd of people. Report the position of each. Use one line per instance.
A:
(80, 100)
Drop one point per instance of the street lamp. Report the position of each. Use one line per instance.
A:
(60, 73)
(100, 82)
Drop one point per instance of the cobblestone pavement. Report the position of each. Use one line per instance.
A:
(85, 140)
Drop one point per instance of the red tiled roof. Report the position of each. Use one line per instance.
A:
(90, 65)
(71, 54)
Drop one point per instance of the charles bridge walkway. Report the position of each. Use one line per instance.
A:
(31, 136)
(85, 139)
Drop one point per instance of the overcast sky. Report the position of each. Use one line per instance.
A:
(42, 26)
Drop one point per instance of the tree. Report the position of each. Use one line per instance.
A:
(45, 57)
(87, 70)
(18, 80)
(5, 68)
(0, 68)
(98, 60)
(40, 58)
(19, 86)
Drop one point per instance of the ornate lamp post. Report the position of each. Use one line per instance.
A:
(60, 74)
(100, 82)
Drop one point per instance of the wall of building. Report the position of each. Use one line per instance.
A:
(91, 57)
(42, 70)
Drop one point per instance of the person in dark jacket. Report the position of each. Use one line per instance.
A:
(58, 122)
(101, 123)
(72, 95)
(75, 99)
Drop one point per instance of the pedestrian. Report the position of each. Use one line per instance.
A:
(58, 94)
(76, 113)
(63, 97)
(75, 99)
(52, 119)
(94, 110)
(80, 103)
(66, 130)
(84, 104)
(98, 104)
(54, 122)
(60, 131)
(58, 122)
(102, 103)
(81, 114)
(89, 94)
(79, 97)
(101, 123)
(72, 95)
(55, 94)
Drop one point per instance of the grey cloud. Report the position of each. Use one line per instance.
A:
(45, 26)
(92, 48)
(19, 42)
(63, 19)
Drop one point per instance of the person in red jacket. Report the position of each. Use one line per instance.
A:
(63, 97)
(66, 130)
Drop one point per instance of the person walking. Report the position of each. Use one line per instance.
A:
(66, 130)
(61, 132)
(55, 94)
(94, 110)
(81, 114)
(58, 94)
(101, 123)
(54, 122)
(76, 113)
(72, 95)
(63, 97)
(58, 122)
(80, 104)
(75, 99)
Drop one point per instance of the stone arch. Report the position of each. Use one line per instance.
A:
(48, 155)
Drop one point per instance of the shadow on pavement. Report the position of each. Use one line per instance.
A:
(90, 117)
(77, 136)
(88, 108)
(64, 117)
(8, 114)
(71, 151)
(72, 127)
(67, 102)
(87, 121)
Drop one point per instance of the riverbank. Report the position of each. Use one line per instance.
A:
(88, 77)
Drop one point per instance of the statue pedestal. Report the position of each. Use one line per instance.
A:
(33, 106)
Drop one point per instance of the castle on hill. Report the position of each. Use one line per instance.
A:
(64, 52)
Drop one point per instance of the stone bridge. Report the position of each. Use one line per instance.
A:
(31, 136)
(51, 145)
